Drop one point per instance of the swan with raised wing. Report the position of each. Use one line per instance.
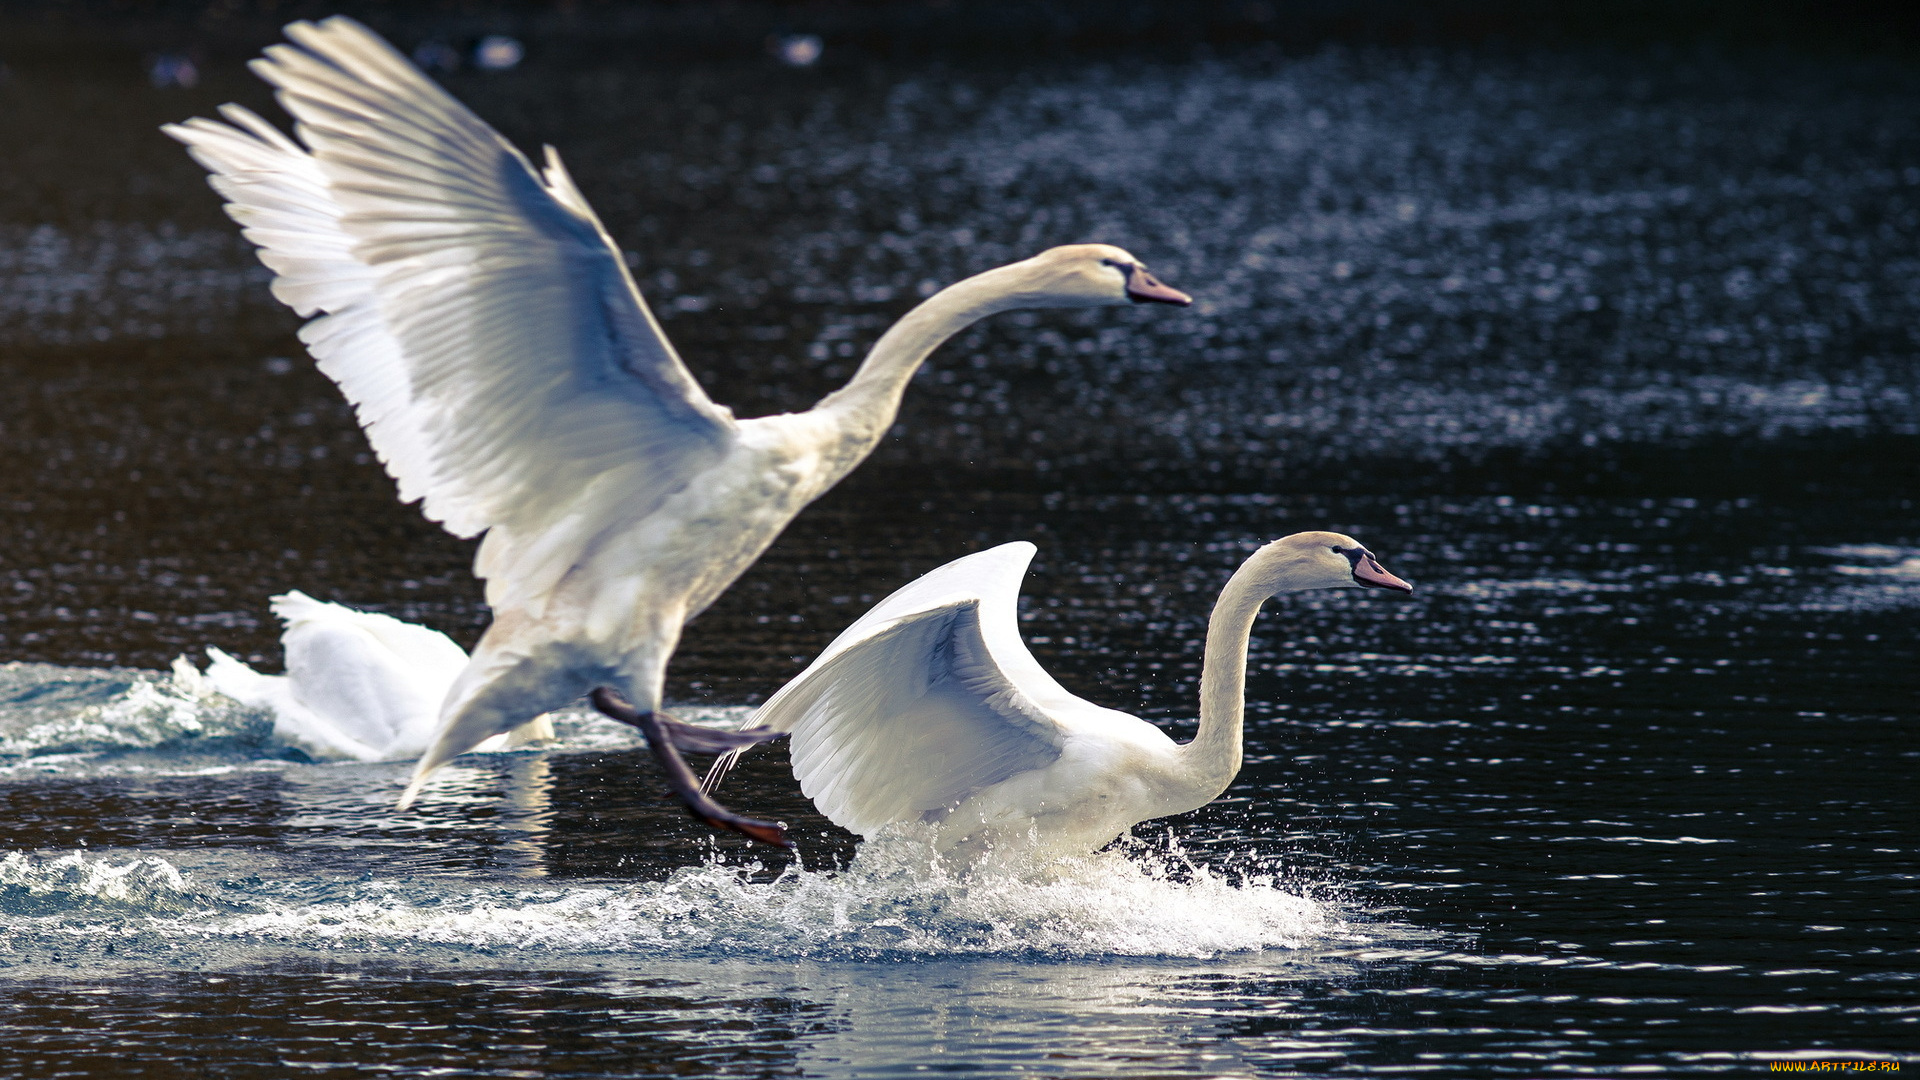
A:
(929, 709)
(509, 375)
(359, 685)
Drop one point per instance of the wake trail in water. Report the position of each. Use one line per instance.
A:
(77, 722)
(895, 900)
(46, 709)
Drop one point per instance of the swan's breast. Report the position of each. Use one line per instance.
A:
(701, 538)
(1097, 789)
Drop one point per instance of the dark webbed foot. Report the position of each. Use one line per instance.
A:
(666, 737)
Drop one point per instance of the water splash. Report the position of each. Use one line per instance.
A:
(79, 721)
(76, 882)
(46, 709)
(894, 901)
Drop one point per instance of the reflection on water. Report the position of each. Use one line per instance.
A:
(1612, 355)
(730, 1018)
(529, 784)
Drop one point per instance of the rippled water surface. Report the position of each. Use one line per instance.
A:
(1612, 354)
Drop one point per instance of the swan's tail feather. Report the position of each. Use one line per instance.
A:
(719, 769)
(705, 740)
(235, 679)
(532, 733)
(294, 606)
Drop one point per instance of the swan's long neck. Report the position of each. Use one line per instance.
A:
(863, 410)
(1212, 759)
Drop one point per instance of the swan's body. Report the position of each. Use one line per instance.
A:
(930, 709)
(510, 375)
(360, 686)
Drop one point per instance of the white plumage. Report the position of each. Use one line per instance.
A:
(511, 377)
(360, 686)
(929, 709)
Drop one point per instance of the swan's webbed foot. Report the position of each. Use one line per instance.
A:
(667, 736)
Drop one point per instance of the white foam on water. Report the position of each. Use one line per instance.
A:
(894, 900)
(79, 882)
(50, 710)
(82, 721)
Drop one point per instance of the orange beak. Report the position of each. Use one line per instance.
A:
(1368, 572)
(1144, 288)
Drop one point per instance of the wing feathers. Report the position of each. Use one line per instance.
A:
(472, 309)
(905, 724)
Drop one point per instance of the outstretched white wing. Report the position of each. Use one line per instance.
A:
(475, 312)
(929, 697)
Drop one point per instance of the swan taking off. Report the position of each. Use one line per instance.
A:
(360, 686)
(930, 709)
(509, 375)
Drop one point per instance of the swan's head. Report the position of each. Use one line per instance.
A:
(1323, 560)
(1093, 275)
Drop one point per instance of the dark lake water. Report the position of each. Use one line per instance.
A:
(1613, 354)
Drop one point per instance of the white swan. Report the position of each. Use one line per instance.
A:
(509, 374)
(930, 709)
(360, 686)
